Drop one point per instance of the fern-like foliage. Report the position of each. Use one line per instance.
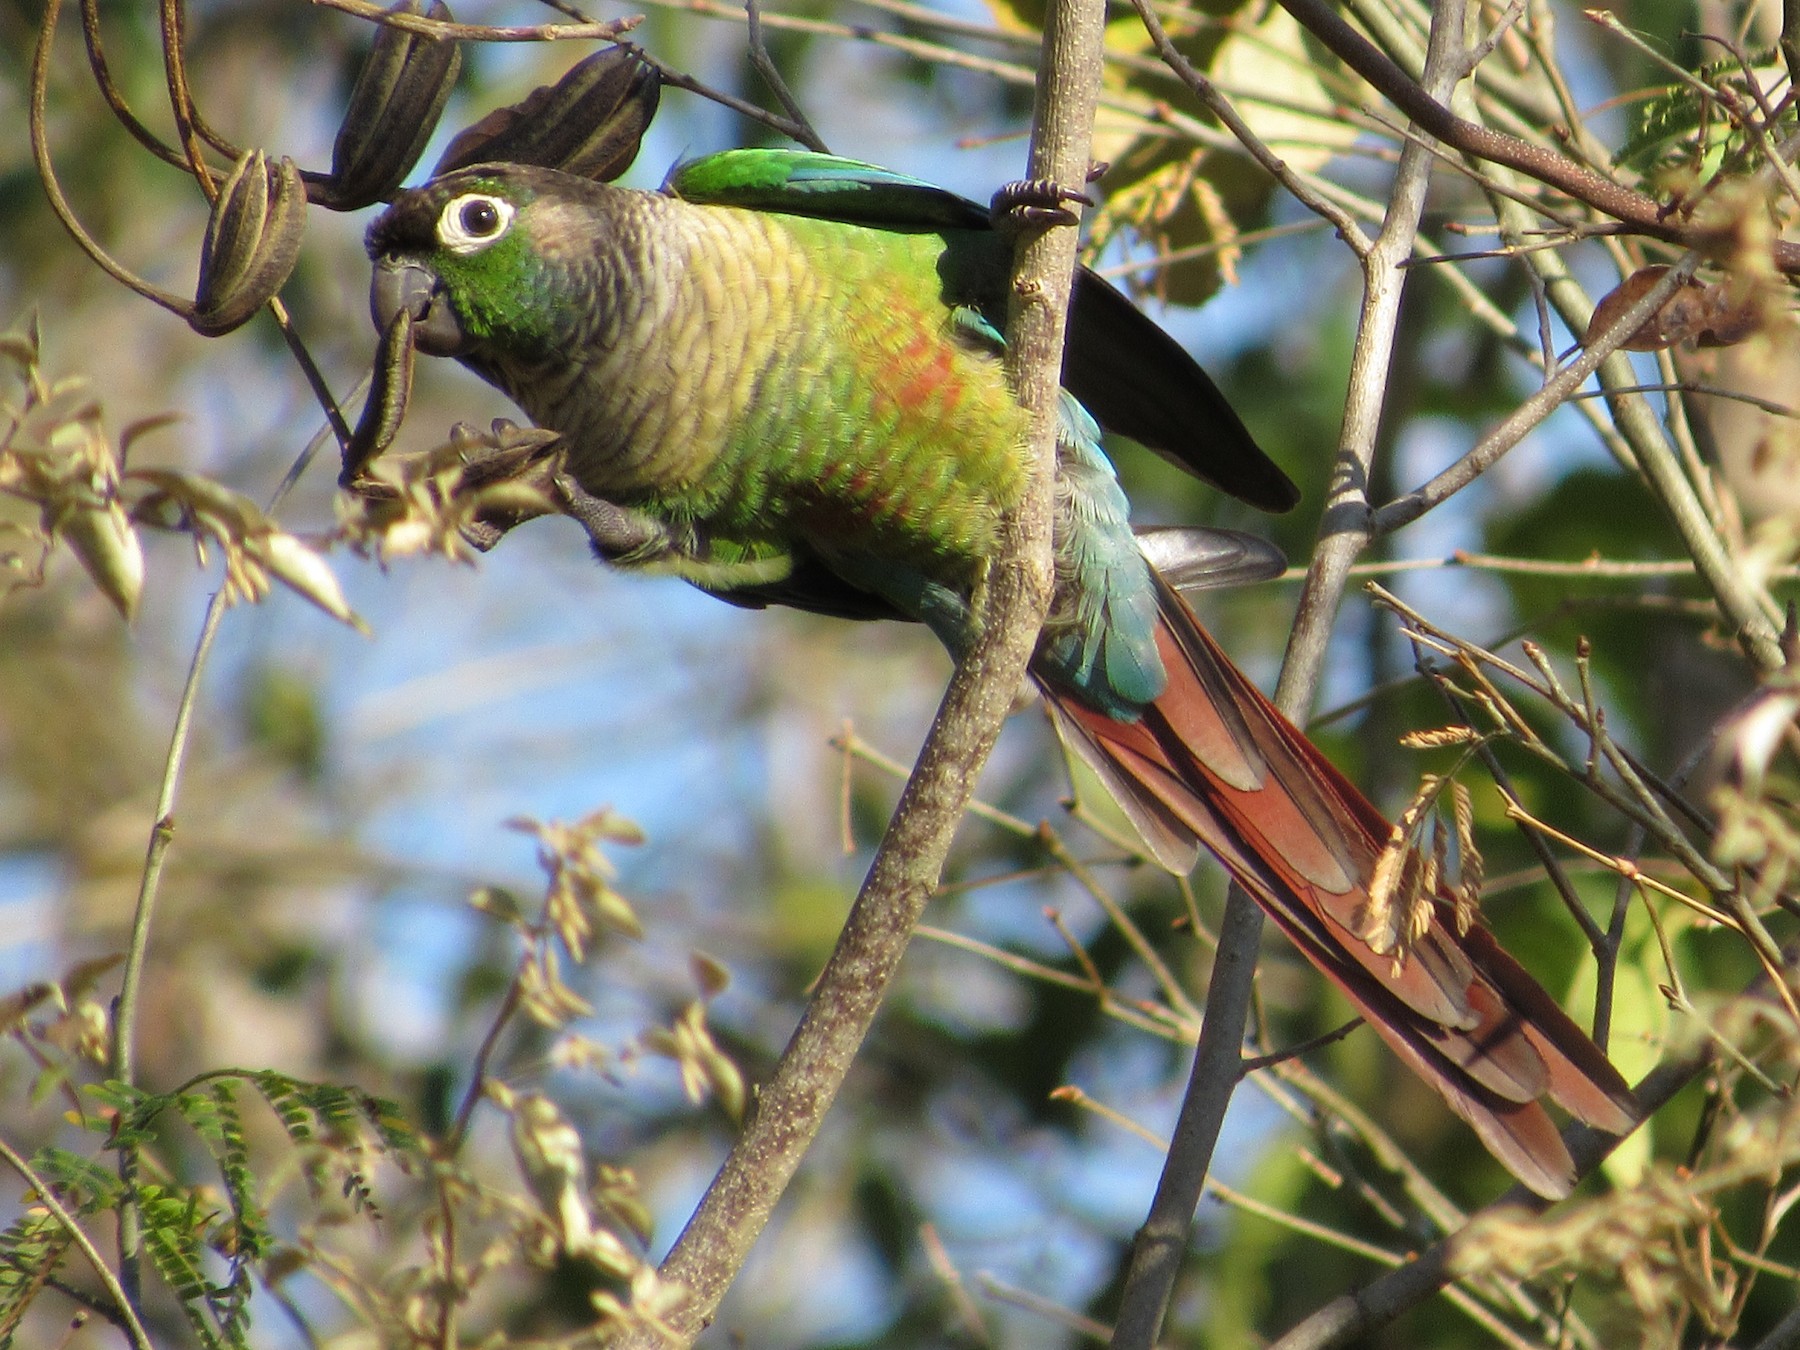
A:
(1684, 127)
(204, 1240)
(30, 1249)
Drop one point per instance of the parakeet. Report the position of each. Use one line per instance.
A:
(780, 377)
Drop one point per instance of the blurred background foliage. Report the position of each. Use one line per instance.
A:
(345, 794)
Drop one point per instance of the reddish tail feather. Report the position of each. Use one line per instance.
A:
(1213, 763)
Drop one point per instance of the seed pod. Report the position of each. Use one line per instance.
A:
(252, 243)
(589, 123)
(395, 106)
(389, 389)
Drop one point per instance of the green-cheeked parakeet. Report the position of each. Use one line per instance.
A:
(780, 377)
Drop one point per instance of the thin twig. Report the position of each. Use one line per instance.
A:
(610, 31)
(115, 99)
(1154, 114)
(765, 66)
(1642, 214)
(1218, 105)
(1350, 1316)
(1144, 1016)
(1124, 924)
(121, 1058)
(678, 79)
(40, 150)
(1638, 439)
(1528, 415)
(181, 102)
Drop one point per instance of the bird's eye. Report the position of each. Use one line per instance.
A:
(473, 221)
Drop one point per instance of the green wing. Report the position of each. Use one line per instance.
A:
(805, 183)
(1134, 378)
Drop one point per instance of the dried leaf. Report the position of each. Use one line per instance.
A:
(712, 976)
(231, 512)
(1471, 866)
(255, 549)
(1752, 735)
(1402, 884)
(704, 1067)
(103, 541)
(57, 456)
(498, 902)
(1438, 737)
(130, 433)
(554, 1164)
(1435, 866)
(543, 995)
(616, 1190)
(464, 493)
(305, 572)
(1712, 316)
(1375, 922)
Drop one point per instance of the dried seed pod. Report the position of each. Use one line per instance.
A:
(252, 243)
(389, 389)
(589, 123)
(395, 106)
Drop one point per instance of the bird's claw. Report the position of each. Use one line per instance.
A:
(505, 453)
(534, 459)
(1036, 202)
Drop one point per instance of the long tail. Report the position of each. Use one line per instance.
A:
(1212, 763)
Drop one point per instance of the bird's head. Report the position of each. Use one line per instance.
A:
(462, 255)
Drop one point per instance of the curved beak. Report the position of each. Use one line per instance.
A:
(403, 284)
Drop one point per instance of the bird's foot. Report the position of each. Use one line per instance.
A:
(1034, 202)
(505, 455)
(522, 472)
(616, 532)
(486, 483)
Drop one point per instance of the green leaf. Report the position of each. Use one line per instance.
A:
(285, 1099)
(171, 1238)
(30, 1250)
(85, 1185)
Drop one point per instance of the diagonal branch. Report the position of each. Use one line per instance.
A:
(1349, 1318)
(904, 875)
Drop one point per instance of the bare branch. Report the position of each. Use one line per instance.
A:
(905, 872)
(1643, 214)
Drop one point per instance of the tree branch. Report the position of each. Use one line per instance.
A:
(1011, 607)
(1643, 215)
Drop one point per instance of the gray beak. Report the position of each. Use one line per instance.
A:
(401, 284)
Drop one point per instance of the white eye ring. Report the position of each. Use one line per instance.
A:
(473, 221)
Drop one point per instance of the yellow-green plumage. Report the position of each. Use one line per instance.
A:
(872, 427)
